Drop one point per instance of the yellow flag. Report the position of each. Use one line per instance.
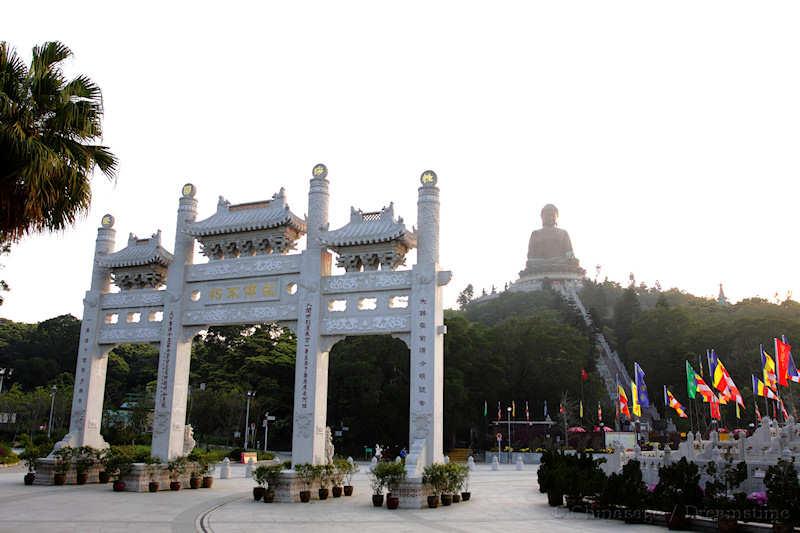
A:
(513, 409)
(637, 409)
(581, 408)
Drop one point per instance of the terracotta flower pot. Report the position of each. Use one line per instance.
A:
(305, 496)
(456, 497)
(677, 518)
(153, 486)
(323, 494)
(208, 481)
(377, 500)
(465, 496)
(194, 482)
(82, 478)
(446, 499)
(392, 502)
(336, 492)
(118, 486)
(174, 485)
(269, 496)
(29, 477)
(348, 490)
(258, 493)
(59, 479)
(103, 477)
(433, 502)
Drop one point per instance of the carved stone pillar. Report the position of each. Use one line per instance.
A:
(427, 336)
(90, 371)
(176, 343)
(311, 365)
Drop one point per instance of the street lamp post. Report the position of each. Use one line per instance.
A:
(52, 403)
(508, 409)
(250, 394)
(3, 373)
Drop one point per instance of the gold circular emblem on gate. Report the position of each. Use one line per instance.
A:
(188, 190)
(428, 177)
(107, 221)
(319, 171)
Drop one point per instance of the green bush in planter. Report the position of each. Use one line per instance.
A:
(307, 474)
(435, 476)
(85, 457)
(719, 498)
(30, 457)
(63, 458)
(678, 484)
(783, 491)
(386, 475)
(456, 475)
(627, 489)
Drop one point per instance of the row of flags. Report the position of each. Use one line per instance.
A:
(778, 371)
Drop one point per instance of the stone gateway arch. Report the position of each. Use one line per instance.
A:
(254, 275)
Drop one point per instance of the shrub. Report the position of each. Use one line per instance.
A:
(783, 490)
(678, 484)
(435, 476)
(307, 474)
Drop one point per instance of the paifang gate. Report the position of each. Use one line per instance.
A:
(253, 274)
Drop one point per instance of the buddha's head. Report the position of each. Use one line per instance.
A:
(549, 216)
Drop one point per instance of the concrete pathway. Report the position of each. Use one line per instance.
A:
(503, 501)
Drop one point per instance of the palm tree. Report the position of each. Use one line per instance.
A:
(48, 129)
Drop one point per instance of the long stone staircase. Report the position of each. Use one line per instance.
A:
(609, 364)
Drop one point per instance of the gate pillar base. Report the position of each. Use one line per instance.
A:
(413, 494)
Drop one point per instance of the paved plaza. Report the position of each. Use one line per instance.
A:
(503, 501)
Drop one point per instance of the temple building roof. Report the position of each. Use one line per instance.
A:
(251, 216)
(370, 228)
(138, 252)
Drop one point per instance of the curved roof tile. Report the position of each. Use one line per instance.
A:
(251, 216)
(138, 252)
(369, 228)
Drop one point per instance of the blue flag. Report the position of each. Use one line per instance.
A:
(712, 363)
(545, 409)
(644, 400)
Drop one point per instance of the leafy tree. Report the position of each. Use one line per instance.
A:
(465, 296)
(626, 311)
(49, 126)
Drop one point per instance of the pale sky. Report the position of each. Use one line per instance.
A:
(666, 133)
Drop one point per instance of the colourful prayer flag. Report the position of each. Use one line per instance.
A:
(599, 413)
(581, 408)
(691, 383)
(641, 387)
(546, 414)
(759, 389)
(675, 404)
(637, 409)
(622, 400)
(703, 388)
(715, 408)
(499, 412)
(768, 368)
(783, 353)
(513, 409)
(485, 408)
(724, 383)
(527, 412)
(584, 375)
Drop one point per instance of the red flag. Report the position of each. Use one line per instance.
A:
(527, 412)
(782, 354)
(715, 408)
(584, 375)
(599, 413)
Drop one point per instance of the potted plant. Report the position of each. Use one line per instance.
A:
(377, 480)
(339, 469)
(434, 476)
(325, 475)
(260, 477)
(464, 487)
(85, 458)
(206, 469)
(31, 457)
(307, 473)
(783, 494)
(63, 462)
(272, 474)
(118, 466)
(152, 467)
(176, 467)
(102, 459)
(395, 474)
(718, 494)
(455, 479)
(349, 469)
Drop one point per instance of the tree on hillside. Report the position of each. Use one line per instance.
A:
(49, 128)
(465, 296)
(626, 311)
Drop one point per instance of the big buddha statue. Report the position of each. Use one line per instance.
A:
(550, 251)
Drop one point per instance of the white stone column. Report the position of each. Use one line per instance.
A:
(427, 336)
(90, 371)
(311, 365)
(176, 343)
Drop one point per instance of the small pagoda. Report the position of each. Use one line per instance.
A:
(370, 241)
(254, 228)
(142, 264)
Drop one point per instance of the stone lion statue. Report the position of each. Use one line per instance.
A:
(188, 439)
